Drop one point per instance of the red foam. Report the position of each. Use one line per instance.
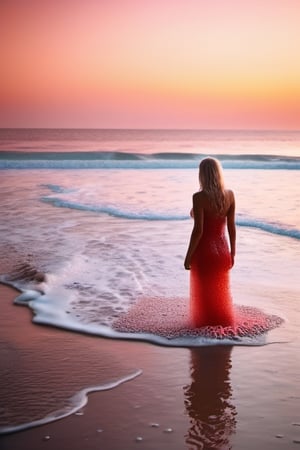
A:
(170, 318)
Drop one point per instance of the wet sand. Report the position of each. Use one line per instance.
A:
(40, 362)
(219, 397)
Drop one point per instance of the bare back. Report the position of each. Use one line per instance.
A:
(202, 206)
(202, 200)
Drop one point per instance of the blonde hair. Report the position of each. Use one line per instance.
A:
(211, 182)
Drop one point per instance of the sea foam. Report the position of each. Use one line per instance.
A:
(162, 321)
(136, 214)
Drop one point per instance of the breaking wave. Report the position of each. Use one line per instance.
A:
(243, 221)
(128, 160)
(160, 321)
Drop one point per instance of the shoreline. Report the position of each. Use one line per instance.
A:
(246, 394)
(30, 350)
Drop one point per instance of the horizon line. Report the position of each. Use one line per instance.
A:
(155, 129)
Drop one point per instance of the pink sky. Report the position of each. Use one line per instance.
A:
(150, 63)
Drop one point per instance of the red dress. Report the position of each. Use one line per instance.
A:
(210, 297)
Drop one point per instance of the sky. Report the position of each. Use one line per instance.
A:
(190, 64)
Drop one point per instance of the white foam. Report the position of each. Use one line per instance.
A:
(48, 311)
(130, 213)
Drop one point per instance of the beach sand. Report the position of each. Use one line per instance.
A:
(38, 361)
(244, 398)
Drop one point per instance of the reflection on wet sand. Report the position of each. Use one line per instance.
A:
(208, 399)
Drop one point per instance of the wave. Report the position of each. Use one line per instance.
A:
(56, 188)
(128, 160)
(243, 221)
(112, 211)
(47, 312)
(274, 228)
(74, 404)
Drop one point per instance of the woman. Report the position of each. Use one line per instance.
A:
(208, 256)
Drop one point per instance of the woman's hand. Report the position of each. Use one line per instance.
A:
(187, 263)
(232, 260)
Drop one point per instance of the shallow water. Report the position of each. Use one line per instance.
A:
(129, 240)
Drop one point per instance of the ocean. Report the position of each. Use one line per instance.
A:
(93, 221)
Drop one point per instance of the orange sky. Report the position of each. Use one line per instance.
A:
(150, 63)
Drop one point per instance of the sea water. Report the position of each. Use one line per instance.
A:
(108, 225)
(94, 221)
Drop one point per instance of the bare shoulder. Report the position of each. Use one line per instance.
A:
(230, 195)
(199, 198)
(230, 200)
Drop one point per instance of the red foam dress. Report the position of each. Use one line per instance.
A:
(210, 297)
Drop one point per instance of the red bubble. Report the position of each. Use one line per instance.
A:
(170, 318)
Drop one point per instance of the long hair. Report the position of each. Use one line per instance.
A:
(211, 182)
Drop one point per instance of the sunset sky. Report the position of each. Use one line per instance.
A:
(150, 63)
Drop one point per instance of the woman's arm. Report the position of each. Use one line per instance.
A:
(231, 227)
(197, 229)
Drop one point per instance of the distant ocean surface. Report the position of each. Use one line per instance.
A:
(144, 149)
